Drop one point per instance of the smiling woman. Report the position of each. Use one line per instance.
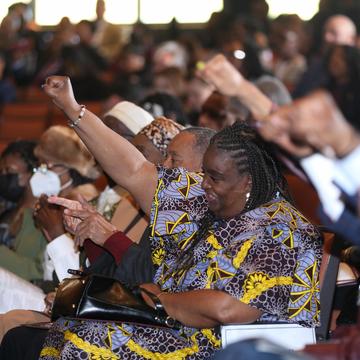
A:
(217, 260)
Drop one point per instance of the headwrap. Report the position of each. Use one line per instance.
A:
(160, 132)
(131, 115)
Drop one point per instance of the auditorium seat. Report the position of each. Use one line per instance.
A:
(305, 197)
(23, 120)
(3, 145)
(25, 109)
(57, 117)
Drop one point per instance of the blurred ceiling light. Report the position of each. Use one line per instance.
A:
(4, 5)
(50, 12)
(184, 11)
(239, 54)
(305, 9)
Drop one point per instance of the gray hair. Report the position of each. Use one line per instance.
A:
(274, 89)
(202, 136)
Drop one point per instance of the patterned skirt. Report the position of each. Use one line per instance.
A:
(71, 339)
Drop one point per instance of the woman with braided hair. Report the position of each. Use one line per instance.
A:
(226, 246)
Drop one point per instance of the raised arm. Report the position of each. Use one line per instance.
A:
(121, 160)
(227, 80)
(312, 123)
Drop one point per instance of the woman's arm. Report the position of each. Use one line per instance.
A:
(227, 80)
(119, 159)
(204, 308)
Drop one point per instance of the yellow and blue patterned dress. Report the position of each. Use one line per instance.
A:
(268, 258)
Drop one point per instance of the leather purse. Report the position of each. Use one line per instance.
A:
(99, 297)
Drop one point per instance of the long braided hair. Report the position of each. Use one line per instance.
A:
(252, 156)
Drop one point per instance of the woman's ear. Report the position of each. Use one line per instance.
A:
(249, 184)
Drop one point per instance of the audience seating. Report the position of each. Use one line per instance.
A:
(32, 94)
(25, 109)
(3, 145)
(29, 119)
(57, 117)
(304, 196)
(23, 121)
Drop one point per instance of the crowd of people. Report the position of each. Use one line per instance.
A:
(196, 143)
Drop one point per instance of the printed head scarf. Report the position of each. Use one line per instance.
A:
(160, 132)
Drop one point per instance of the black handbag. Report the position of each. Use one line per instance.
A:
(98, 297)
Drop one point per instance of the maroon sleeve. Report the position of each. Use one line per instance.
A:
(117, 245)
(92, 250)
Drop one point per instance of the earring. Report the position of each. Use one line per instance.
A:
(247, 197)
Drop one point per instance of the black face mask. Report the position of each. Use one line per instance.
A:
(9, 187)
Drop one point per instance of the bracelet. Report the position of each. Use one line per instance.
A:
(75, 123)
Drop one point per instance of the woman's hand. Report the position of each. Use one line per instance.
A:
(49, 218)
(277, 129)
(49, 300)
(315, 122)
(228, 80)
(70, 222)
(83, 221)
(60, 91)
(223, 75)
(153, 288)
(93, 226)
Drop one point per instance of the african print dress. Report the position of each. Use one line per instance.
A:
(267, 258)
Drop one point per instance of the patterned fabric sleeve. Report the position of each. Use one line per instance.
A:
(278, 278)
(178, 205)
(264, 274)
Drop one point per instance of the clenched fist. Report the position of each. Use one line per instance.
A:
(60, 91)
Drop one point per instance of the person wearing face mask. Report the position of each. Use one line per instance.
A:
(17, 163)
(114, 203)
(67, 169)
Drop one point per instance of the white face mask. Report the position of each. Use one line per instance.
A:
(45, 181)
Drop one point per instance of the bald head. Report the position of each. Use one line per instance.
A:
(340, 30)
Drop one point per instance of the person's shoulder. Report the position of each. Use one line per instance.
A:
(179, 182)
(280, 210)
(179, 175)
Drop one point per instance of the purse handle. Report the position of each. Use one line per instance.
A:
(159, 307)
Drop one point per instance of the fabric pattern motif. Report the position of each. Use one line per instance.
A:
(268, 258)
